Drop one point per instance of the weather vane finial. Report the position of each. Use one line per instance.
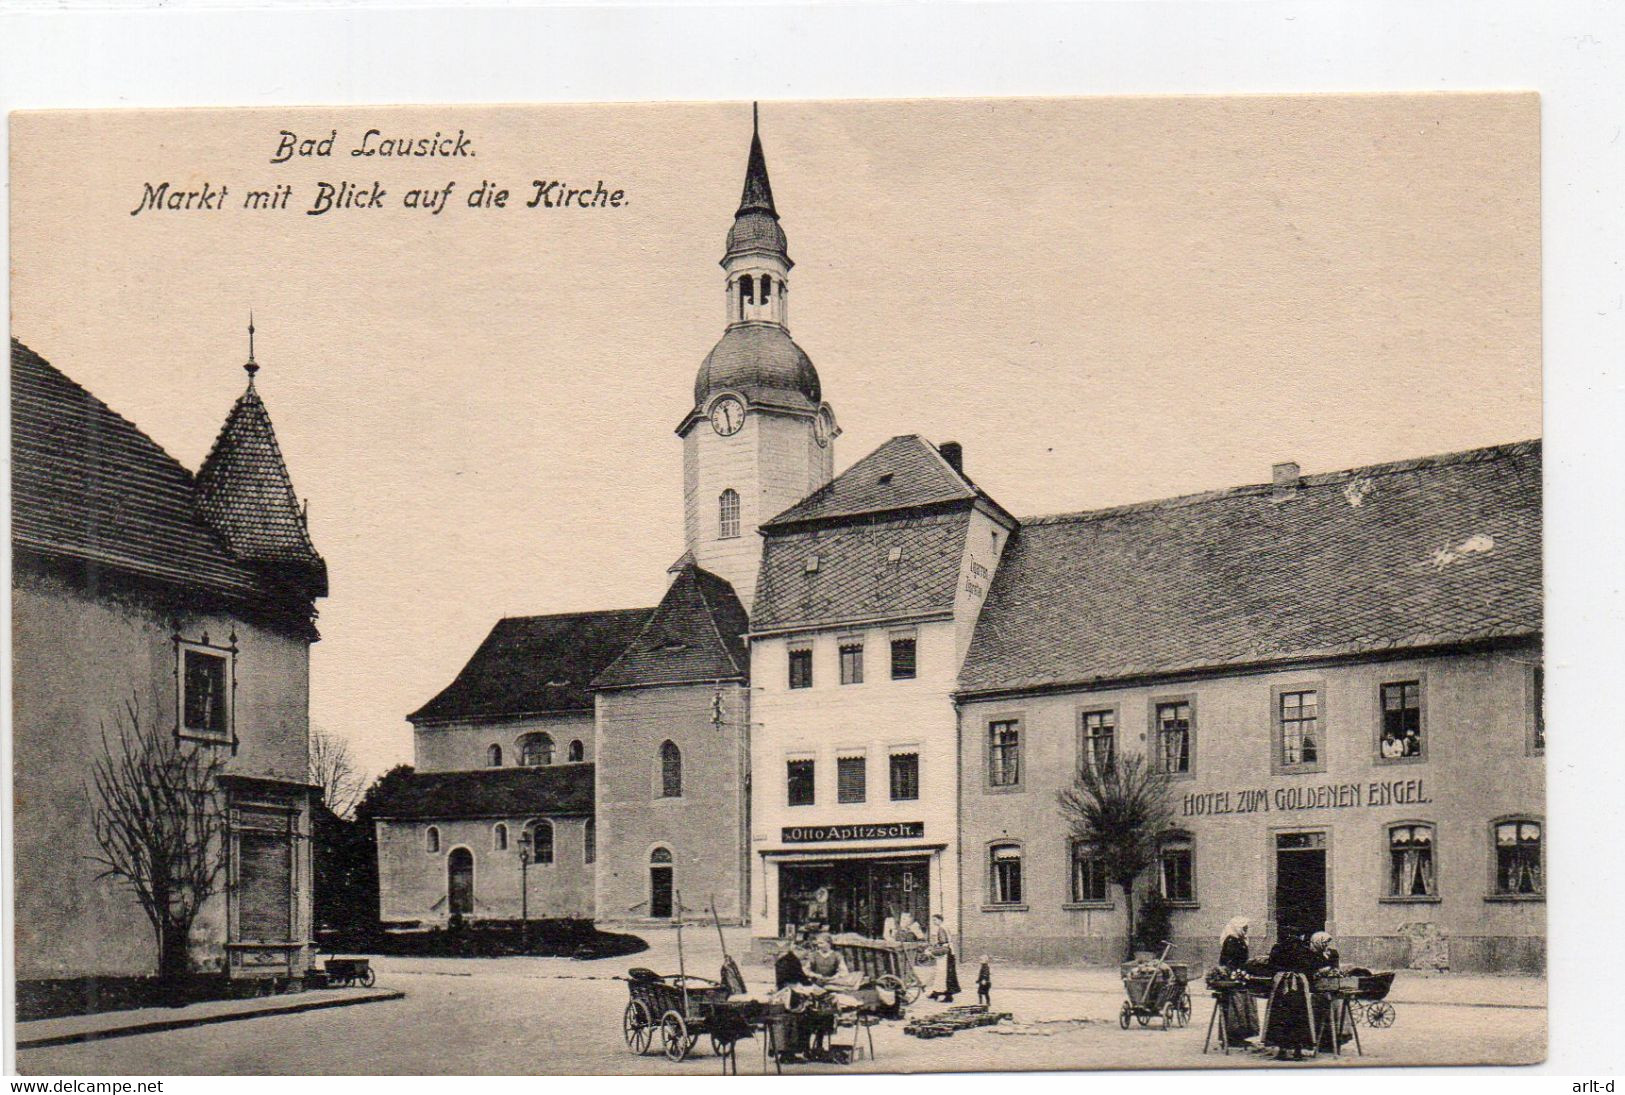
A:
(755, 119)
(251, 367)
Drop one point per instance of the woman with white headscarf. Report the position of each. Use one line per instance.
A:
(1240, 1013)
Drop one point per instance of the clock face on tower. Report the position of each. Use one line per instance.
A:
(727, 416)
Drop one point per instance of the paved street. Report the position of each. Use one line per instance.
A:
(542, 1015)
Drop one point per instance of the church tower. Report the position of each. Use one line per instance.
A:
(759, 437)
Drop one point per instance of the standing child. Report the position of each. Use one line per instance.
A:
(984, 984)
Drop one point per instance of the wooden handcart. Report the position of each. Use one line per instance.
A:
(349, 971)
(1156, 990)
(888, 965)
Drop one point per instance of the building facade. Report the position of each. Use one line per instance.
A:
(860, 695)
(147, 599)
(496, 821)
(868, 592)
(1340, 676)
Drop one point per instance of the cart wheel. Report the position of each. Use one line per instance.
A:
(636, 1026)
(369, 978)
(675, 1040)
(1143, 1018)
(1123, 1016)
(1379, 1013)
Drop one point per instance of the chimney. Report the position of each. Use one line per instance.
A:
(1287, 481)
(954, 453)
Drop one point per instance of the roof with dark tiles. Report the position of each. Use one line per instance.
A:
(244, 492)
(695, 634)
(1438, 551)
(556, 790)
(886, 567)
(536, 665)
(89, 485)
(906, 472)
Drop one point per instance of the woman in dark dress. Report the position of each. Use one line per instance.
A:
(1287, 1022)
(1240, 1013)
(1325, 958)
(945, 985)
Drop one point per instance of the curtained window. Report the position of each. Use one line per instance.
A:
(1174, 736)
(1299, 721)
(1518, 858)
(1176, 855)
(1099, 739)
(1004, 882)
(1410, 861)
(1088, 875)
(1004, 753)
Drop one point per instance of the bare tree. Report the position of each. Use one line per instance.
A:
(335, 772)
(160, 824)
(1120, 809)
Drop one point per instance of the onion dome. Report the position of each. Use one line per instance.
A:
(761, 362)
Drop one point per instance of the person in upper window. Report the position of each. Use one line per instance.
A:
(1413, 744)
(1392, 747)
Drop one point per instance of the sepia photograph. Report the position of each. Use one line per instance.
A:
(1097, 624)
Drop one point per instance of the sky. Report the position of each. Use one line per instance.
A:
(1104, 300)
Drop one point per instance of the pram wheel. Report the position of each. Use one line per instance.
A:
(1379, 1013)
(1123, 1016)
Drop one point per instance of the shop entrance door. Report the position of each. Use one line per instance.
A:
(1300, 883)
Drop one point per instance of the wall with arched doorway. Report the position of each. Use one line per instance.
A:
(702, 826)
(414, 881)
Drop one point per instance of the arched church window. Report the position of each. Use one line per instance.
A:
(493, 756)
(747, 289)
(767, 288)
(671, 770)
(541, 841)
(535, 750)
(578, 752)
(728, 514)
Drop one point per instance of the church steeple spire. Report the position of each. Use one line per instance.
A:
(758, 193)
(757, 258)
